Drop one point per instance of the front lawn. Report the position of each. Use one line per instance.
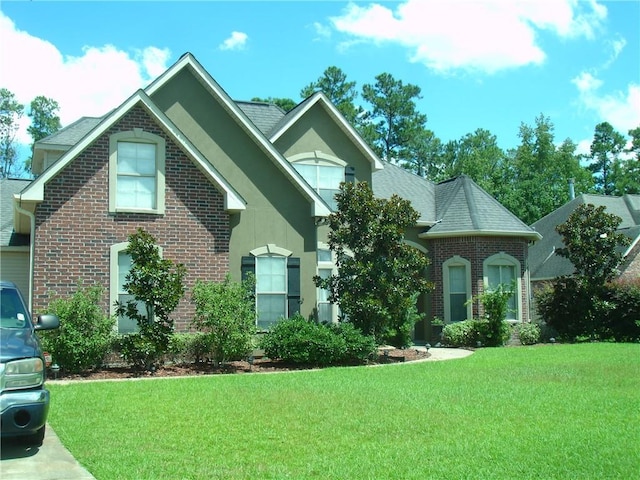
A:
(558, 411)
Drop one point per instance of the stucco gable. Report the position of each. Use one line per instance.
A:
(320, 99)
(188, 63)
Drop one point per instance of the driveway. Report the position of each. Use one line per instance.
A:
(51, 461)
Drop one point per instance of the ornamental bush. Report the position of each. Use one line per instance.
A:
(298, 340)
(529, 333)
(469, 332)
(85, 334)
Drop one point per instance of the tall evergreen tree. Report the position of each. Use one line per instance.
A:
(605, 150)
(11, 112)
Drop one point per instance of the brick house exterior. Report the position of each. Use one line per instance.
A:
(237, 188)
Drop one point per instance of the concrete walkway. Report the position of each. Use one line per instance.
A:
(444, 353)
(51, 461)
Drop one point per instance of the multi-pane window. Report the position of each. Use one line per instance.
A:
(271, 289)
(504, 274)
(458, 292)
(457, 289)
(324, 179)
(136, 177)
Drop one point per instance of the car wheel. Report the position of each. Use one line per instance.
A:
(37, 438)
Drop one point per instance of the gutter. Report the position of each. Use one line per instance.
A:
(32, 246)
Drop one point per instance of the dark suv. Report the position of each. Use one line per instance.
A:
(24, 402)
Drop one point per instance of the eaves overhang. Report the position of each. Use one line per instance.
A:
(532, 236)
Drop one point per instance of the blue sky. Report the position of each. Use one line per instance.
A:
(480, 64)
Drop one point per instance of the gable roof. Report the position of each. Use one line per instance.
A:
(543, 260)
(35, 191)
(265, 116)
(319, 98)
(8, 188)
(319, 207)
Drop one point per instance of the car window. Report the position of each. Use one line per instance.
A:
(12, 311)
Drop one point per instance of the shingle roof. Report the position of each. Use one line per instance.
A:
(265, 116)
(463, 207)
(9, 187)
(72, 134)
(452, 208)
(419, 191)
(545, 263)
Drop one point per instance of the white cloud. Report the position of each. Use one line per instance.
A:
(322, 31)
(486, 36)
(91, 84)
(237, 41)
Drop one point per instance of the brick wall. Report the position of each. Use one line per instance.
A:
(75, 231)
(475, 249)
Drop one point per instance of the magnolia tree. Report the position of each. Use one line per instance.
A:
(379, 276)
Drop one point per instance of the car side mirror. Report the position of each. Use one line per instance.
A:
(47, 321)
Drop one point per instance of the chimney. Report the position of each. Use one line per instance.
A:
(572, 191)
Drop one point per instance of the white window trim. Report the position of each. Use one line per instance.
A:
(503, 258)
(317, 158)
(137, 135)
(456, 261)
(271, 249)
(327, 265)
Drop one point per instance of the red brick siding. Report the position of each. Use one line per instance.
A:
(630, 268)
(476, 250)
(75, 231)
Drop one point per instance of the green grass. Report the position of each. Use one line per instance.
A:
(544, 412)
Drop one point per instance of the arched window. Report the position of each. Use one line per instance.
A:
(324, 173)
(456, 275)
(502, 268)
(136, 172)
(277, 276)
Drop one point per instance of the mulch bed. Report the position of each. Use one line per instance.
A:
(259, 365)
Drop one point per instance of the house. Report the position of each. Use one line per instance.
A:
(546, 264)
(235, 187)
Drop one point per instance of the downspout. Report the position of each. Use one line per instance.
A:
(32, 247)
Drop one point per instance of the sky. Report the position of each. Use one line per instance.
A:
(491, 64)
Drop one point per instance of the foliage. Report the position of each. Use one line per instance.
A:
(471, 333)
(333, 83)
(623, 320)
(529, 333)
(606, 147)
(495, 303)
(285, 104)
(189, 347)
(591, 243)
(393, 118)
(301, 341)
(44, 120)
(225, 312)
(11, 112)
(157, 285)
(367, 236)
(85, 334)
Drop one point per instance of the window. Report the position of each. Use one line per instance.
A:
(136, 172)
(277, 277)
(324, 173)
(120, 266)
(457, 289)
(327, 311)
(504, 269)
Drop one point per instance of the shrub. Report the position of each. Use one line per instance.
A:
(529, 333)
(85, 334)
(469, 332)
(623, 321)
(301, 341)
(225, 312)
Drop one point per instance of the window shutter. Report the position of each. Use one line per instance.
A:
(247, 266)
(349, 174)
(293, 286)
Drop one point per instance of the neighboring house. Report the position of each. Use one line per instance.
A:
(545, 264)
(231, 187)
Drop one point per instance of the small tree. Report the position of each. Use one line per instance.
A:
(85, 334)
(379, 275)
(157, 287)
(11, 112)
(225, 312)
(496, 306)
